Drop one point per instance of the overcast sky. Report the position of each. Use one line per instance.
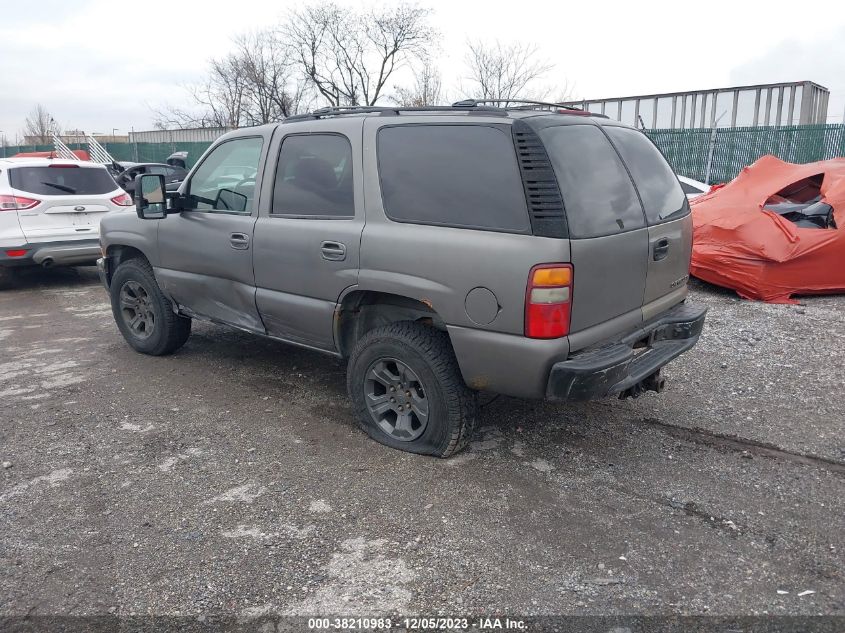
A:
(99, 64)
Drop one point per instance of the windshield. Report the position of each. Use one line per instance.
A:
(57, 181)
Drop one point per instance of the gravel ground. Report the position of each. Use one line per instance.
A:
(230, 478)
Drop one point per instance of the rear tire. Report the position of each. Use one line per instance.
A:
(407, 390)
(143, 314)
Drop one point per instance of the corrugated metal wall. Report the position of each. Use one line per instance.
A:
(193, 135)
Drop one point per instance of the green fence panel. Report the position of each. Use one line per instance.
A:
(727, 150)
(133, 152)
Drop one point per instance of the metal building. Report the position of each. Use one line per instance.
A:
(190, 135)
(797, 103)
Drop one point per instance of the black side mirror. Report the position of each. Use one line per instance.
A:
(230, 200)
(150, 197)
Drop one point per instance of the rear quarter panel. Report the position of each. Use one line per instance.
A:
(440, 265)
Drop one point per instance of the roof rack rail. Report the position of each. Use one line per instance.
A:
(522, 102)
(525, 104)
(331, 111)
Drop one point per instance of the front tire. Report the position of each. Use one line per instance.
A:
(408, 392)
(143, 314)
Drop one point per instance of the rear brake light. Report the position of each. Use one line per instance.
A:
(17, 203)
(123, 200)
(64, 166)
(18, 252)
(548, 301)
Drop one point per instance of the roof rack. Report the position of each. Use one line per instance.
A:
(321, 113)
(467, 105)
(529, 104)
(524, 103)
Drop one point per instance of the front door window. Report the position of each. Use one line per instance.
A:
(225, 181)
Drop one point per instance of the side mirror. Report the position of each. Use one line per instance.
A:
(150, 197)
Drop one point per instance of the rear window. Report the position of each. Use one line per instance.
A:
(58, 181)
(597, 192)
(455, 175)
(658, 185)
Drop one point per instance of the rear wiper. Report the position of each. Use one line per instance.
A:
(64, 188)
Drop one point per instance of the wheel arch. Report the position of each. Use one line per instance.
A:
(360, 311)
(119, 253)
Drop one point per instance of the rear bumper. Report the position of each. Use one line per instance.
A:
(52, 253)
(623, 365)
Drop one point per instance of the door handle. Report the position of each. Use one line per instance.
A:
(239, 241)
(333, 251)
(661, 249)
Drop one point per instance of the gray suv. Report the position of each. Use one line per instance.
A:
(528, 250)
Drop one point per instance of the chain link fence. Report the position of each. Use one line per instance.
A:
(717, 155)
(133, 152)
(710, 155)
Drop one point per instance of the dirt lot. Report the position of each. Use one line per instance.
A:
(231, 478)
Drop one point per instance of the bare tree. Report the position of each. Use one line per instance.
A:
(256, 83)
(564, 92)
(505, 71)
(219, 99)
(349, 56)
(273, 91)
(425, 91)
(39, 126)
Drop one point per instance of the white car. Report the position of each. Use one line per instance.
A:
(50, 210)
(693, 188)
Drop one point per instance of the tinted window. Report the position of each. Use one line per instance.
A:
(225, 181)
(597, 191)
(314, 177)
(659, 189)
(458, 175)
(58, 181)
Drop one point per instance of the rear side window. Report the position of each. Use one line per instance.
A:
(314, 177)
(658, 185)
(454, 175)
(58, 181)
(597, 192)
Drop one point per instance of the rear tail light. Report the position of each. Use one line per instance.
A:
(17, 252)
(123, 200)
(17, 203)
(548, 301)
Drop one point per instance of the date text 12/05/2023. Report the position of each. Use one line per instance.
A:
(416, 623)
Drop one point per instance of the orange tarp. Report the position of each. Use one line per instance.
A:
(760, 254)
